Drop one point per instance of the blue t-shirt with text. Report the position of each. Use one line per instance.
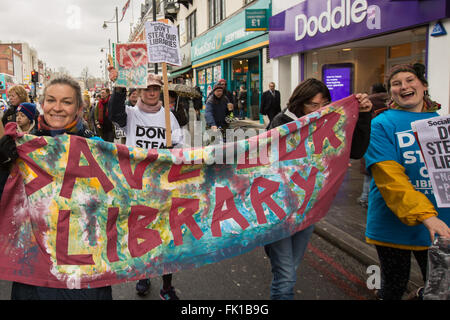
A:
(392, 139)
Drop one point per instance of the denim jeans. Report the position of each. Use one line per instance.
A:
(285, 256)
(366, 188)
(241, 113)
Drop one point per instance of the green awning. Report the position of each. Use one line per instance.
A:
(178, 72)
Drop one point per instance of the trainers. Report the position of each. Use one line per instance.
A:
(168, 294)
(143, 287)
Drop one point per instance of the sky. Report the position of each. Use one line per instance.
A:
(67, 33)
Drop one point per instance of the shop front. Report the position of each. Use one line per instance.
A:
(351, 44)
(231, 53)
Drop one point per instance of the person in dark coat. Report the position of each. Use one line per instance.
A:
(217, 108)
(270, 102)
(286, 254)
(198, 102)
(16, 95)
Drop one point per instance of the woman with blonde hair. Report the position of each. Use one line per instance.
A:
(62, 114)
(16, 95)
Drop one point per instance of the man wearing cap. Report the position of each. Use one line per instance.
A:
(145, 127)
(25, 117)
(226, 92)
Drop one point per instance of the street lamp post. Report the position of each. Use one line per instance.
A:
(116, 22)
(154, 19)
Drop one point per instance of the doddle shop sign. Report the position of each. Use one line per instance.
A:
(342, 15)
(313, 24)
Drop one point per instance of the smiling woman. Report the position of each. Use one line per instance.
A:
(62, 105)
(402, 217)
(62, 108)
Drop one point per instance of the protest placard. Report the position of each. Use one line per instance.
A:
(163, 47)
(434, 139)
(162, 43)
(132, 65)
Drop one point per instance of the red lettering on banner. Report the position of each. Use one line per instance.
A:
(300, 151)
(79, 145)
(307, 185)
(134, 179)
(224, 195)
(140, 217)
(42, 177)
(325, 129)
(257, 198)
(176, 175)
(111, 234)
(62, 243)
(176, 219)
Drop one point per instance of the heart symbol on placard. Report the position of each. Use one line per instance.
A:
(140, 52)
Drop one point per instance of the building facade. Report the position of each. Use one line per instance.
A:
(214, 45)
(18, 60)
(224, 49)
(351, 44)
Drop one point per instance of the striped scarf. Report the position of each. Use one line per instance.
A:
(428, 106)
(72, 128)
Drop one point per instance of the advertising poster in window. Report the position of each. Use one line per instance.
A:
(339, 79)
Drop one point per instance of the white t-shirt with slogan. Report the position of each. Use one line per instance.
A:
(148, 130)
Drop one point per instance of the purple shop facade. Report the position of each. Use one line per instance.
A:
(314, 24)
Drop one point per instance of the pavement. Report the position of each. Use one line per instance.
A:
(345, 223)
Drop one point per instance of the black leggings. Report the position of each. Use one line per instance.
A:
(395, 269)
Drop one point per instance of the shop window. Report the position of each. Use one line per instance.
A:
(371, 58)
(216, 11)
(240, 66)
(402, 50)
(191, 22)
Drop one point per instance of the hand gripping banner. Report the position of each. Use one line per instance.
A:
(80, 213)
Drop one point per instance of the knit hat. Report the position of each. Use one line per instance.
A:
(417, 69)
(28, 109)
(218, 86)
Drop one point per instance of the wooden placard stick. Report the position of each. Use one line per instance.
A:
(167, 106)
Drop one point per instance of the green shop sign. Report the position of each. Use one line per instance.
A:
(230, 33)
(256, 20)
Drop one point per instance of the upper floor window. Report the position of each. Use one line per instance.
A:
(191, 26)
(216, 11)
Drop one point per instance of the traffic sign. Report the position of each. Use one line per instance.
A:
(438, 30)
(256, 20)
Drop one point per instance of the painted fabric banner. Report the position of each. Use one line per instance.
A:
(132, 65)
(80, 213)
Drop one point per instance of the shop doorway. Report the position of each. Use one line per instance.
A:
(246, 72)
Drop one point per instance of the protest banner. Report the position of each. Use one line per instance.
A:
(82, 213)
(132, 65)
(434, 139)
(163, 47)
